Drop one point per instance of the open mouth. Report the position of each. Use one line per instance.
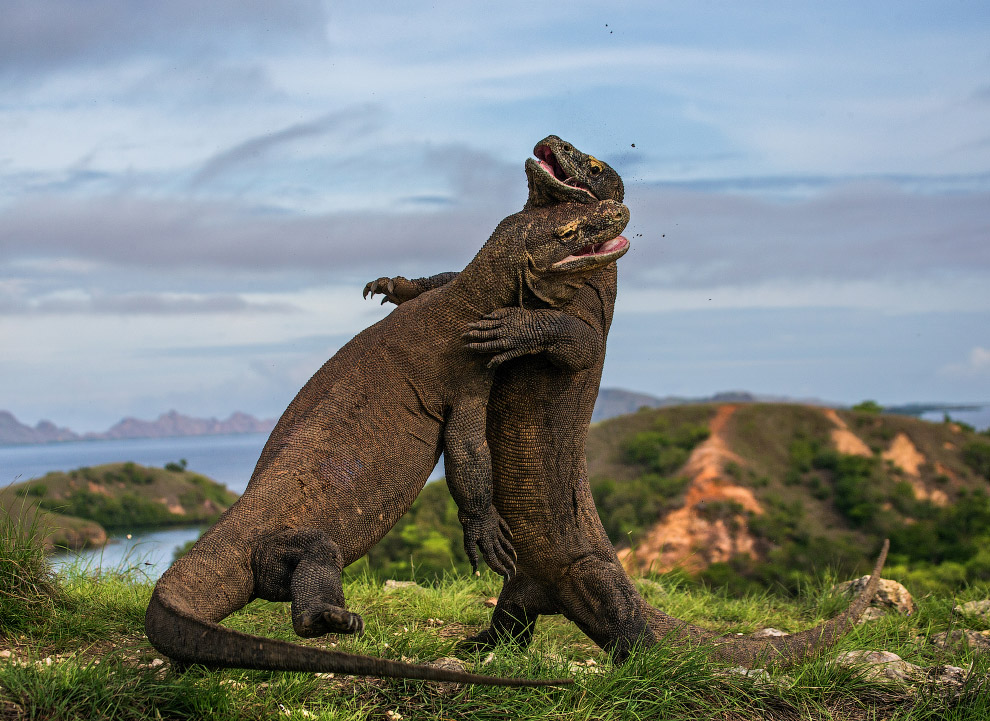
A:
(606, 251)
(552, 166)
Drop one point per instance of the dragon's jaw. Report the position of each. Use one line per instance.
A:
(596, 254)
(552, 166)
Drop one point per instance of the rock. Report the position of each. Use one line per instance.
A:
(891, 595)
(448, 663)
(947, 675)
(872, 613)
(391, 585)
(759, 676)
(764, 632)
(980, 609)
(491, 602)
(977, 641)
(881, 665)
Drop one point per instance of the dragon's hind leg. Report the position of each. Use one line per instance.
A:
(303, 566)
(520, 603)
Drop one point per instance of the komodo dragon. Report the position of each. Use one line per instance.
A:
(356, 446)
(538, 418)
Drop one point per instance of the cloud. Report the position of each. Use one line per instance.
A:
(680, 239)
(37, 37)
(851, 232)
(350, 121)
(976, 365)
(63, 303)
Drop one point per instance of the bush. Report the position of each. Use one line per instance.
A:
(627, 508)
(29, 593)
(976, 455)
(662, 450)
(113, 513)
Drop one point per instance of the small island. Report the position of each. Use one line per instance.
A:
(78, 509)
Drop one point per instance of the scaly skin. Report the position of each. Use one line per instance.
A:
(538, 418)
(356, 446)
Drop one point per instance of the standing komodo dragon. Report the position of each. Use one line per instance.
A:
(538, 418)
(356, 446)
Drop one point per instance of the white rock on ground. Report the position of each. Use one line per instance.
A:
(891, 595)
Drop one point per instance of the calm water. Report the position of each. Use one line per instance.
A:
(979, 418)
(226, 459)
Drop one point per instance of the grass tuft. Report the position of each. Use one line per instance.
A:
(29, 593)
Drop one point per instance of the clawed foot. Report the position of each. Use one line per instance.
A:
(491, 534)
(507, 332)
(484, 641)
(330, 620)
(396, 290)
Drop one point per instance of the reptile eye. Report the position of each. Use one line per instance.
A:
(567, 232)
(595, 170)
(596, 166)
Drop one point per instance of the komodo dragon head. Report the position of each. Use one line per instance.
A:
(566, 243)
(563, 174)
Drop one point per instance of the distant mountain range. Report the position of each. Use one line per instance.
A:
(614, 402)
(167, 425)
(611, 402)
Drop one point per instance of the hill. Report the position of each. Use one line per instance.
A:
(77, 508)
(167, 425)
(758, 494)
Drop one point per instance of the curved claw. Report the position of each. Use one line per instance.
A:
(370, 289)
(501, 358)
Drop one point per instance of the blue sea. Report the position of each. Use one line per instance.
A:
(979, 418)
(226, 459)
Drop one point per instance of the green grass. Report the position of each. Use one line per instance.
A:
(77, 651)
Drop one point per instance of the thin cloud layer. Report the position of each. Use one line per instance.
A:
(37, 37)
(683, 239)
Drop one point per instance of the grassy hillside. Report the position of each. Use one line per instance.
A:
(782, 491)
(75, 509)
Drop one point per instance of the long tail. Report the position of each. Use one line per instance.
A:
(190, 640)
(774, 650)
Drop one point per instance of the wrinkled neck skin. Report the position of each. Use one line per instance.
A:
(492, 279)
(545, 289)
(506, 273)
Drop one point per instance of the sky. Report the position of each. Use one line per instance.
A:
(193, 195)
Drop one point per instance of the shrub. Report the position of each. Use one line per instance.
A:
(176, 467)
(29, 592)
(976, 455)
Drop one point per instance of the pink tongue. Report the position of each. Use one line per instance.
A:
(610, 245)
(546, 167)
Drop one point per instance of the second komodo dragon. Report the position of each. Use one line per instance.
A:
(354, 449)
(538, 419)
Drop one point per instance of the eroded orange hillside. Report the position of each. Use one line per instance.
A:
(752, 462)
